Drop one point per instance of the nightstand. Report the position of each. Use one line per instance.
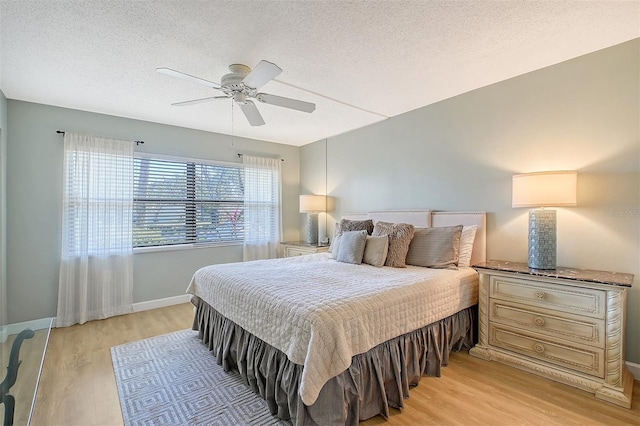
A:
(298, 248)
(565, 324)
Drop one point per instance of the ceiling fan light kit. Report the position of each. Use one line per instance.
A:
(241, 85)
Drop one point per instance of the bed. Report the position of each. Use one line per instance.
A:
(327, 342)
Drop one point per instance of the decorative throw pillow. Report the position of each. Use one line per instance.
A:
(375, 251)
(356, 225)
(466, 245)
(346, 225)
(352, 246)
(400, 235)
(435, 247)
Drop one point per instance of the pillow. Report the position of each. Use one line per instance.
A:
(400, 235)
(346, 225)
(375, 251)
(466, 245)
(336, 246)
(356, 225)
(435, 247)
(352, 245)
(332, 242)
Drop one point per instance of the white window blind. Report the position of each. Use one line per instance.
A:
(186, 202)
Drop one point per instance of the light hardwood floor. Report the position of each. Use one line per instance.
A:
(78, 386)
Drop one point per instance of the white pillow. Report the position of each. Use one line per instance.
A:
(375, 252)
(467, 238)
(335, 246)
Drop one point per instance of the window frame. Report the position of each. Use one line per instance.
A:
(186, 161)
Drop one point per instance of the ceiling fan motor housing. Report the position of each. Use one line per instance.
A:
(232, 84)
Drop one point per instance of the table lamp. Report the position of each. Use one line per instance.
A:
(543, 189)
(312, 205)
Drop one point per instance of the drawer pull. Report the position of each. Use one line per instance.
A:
(538, 348)
(540, 294)
(539, 321)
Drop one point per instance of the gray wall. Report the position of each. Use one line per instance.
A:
(3, 209)
(460, 154)
(34, 191)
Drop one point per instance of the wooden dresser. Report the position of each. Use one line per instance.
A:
(565, 324)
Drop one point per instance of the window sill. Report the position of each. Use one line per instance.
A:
(177, 247)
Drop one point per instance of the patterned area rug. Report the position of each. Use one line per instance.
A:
(174, 380)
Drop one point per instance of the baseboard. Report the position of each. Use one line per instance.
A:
(16, 328)
(634, 369)
(160, 303)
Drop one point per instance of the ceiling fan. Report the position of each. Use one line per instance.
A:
(242, 85)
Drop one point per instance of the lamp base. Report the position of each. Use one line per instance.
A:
(542, 239)
(312, 228)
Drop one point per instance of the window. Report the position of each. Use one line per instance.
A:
(179, 201)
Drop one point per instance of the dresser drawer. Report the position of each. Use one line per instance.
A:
(574, 328)
(577, 357)
(295, 251)
(575, 300)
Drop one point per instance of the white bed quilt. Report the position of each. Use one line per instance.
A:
(321, 313)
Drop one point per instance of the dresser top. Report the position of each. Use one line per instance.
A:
(302, 244)
(588, 275)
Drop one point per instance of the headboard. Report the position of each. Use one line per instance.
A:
(429, 218)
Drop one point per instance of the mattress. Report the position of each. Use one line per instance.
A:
(321, 313)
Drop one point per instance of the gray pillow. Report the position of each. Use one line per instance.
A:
(435, 247)
(351, 247)
(346, 225)
(356, 225)
(375, 251)
(400, 235)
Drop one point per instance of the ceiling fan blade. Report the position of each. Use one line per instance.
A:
(286, 102)
(251, 112)
(199, 101)
(183, 76)
(261, 74)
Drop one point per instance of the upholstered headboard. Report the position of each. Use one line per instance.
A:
(428, 218)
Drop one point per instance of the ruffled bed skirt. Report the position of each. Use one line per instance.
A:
(376, 380)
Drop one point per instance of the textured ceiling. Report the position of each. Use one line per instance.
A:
(375, 59)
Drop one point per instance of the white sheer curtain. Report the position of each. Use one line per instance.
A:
(262, 196)
(96, 268)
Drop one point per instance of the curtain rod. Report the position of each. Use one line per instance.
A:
(62, 132)
(241, 154)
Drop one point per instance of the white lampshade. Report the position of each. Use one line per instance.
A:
(544, 189)
(312, 203)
